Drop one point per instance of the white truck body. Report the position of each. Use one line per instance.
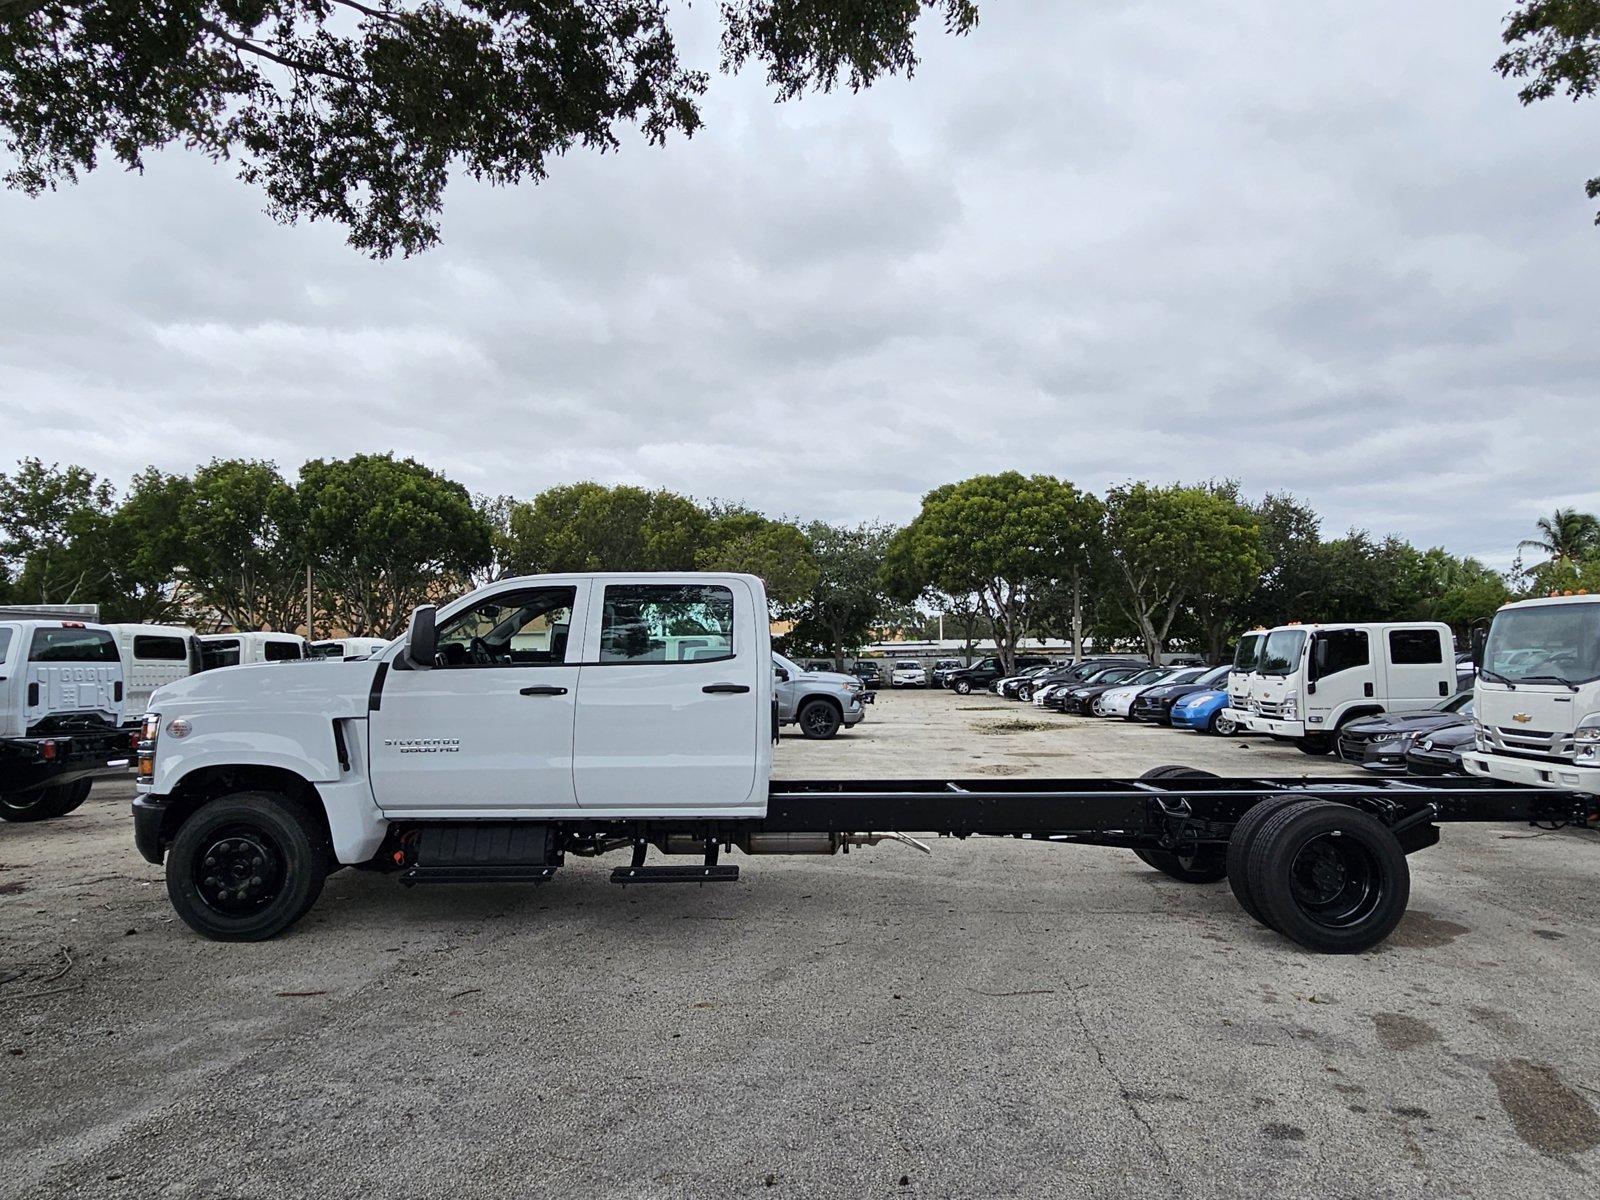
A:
(241, 649)
(57, 674)
(1537, 695)
(627, 714)
(153, 656)
(1311, 679)
(1241, 677)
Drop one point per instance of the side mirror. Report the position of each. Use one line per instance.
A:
(1480, 635)
(422, 639)
(781, 673)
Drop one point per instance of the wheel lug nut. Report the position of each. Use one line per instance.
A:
(255, 881)
(211, 860)
(256, 861)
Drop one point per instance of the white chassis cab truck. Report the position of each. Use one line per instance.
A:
(558, 715)
(1537, 696)
(1309, 680)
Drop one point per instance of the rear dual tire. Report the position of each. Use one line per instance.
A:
(45, 803)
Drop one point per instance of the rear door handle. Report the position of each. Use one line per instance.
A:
(715, 688)
(543, 689)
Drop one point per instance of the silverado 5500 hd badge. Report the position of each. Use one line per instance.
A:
(423, 745)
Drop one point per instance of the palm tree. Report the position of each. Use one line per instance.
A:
(1565, 534)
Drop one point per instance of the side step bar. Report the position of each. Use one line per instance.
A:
(684, 873)
(500, 873)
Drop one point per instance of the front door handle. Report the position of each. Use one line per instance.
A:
(543, 689)
(715, 688)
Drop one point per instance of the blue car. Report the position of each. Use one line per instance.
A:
(1202, 712)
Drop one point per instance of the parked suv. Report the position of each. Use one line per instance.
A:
(942, 669)
(908, 674)
(868, 673)
(820, 702)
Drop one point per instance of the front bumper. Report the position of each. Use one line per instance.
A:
(1256, 723)
(149, 814)
(1152, 711)
(1533, 772)
(1433, 762)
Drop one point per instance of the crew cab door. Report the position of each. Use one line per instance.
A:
(671, 705)
(487, 731)
(1421, 666)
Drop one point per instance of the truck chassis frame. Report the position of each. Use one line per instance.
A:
(1322, 861)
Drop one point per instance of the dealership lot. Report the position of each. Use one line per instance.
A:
(998, 1019)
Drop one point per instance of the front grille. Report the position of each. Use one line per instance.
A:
(1270, 709)
(1353, 745)
(1530, 743)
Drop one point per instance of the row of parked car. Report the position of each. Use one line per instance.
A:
(1419, 741)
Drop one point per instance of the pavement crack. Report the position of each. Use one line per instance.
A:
(1126, 1096)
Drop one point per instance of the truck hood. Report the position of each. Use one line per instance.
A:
(1532, 706)
(833, 678)
(338, 687)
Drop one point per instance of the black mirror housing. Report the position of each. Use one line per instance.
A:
(422, 639)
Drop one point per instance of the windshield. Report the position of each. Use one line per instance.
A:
(1153, 675)
(1245, 654)
(1280, 653)
(1215, 675)
(1545, 643)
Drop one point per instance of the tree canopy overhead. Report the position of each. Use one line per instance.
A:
(1554, 46)
(356, 111)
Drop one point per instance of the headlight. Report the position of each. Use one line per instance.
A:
(1291, 706)
(1427, 744)
(855, 685)
(148, 732)
(1588, 731)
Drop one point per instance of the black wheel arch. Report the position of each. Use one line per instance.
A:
(205, 784)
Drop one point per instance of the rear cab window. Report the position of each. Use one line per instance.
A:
(148, 647)
(73, 645)
(1415, 647)
(666, 623)
(224, 653)
(276, 651)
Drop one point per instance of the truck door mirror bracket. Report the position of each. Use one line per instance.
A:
(422, 639)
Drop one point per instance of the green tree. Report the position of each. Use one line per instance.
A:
(1177, 546)
(244, 556)
(1555, 46)
(52, 521)
(592, 527)
(848, 597)
(385, 535)
(1565, 534)
(1290, 539)
(1006, 539)
(739, 539)
(355, 111)
(143, 546)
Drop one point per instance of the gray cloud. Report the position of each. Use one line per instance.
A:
(1322, 251)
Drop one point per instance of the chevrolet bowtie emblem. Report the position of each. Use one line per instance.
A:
(1521, 718)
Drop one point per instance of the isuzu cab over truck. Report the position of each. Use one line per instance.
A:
(1536, 701)
(560, 715)
(1308, 680)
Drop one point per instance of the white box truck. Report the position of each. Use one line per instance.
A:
(1309, 680)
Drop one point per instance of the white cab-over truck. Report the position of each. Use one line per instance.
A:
(61, 706)
(1308, 680)
(1536, 701)
(577, 715)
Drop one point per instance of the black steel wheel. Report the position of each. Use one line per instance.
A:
(1237, 859)
(819, 719)
(1328, 876)
(1205, 864)
(246, 867)
(43, 803)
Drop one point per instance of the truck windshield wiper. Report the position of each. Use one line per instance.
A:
(1496, 677)
(1561, 679)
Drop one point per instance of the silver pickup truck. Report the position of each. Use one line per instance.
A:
(820, 702)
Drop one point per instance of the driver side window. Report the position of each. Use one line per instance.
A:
(523, 628)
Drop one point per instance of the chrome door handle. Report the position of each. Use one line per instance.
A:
(543, 689)
(715, 688)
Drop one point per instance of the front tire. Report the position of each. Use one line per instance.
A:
(1097, 708)
(819, 720)
(246, 867)
(963, 687)
(1222, 726)
(1313, 746)
(45, 803)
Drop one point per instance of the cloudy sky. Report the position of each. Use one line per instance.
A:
(1317, 248)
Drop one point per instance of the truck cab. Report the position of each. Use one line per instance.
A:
(61, 705)
(1537, 695)
(1311, 679)
(152, 656)
(1241, 676)
(241, 649)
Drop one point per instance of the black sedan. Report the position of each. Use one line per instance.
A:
(1380, 743)
(1155, 703)
(1439, 752)
(1078, 699)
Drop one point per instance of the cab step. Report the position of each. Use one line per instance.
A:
(677, 873)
